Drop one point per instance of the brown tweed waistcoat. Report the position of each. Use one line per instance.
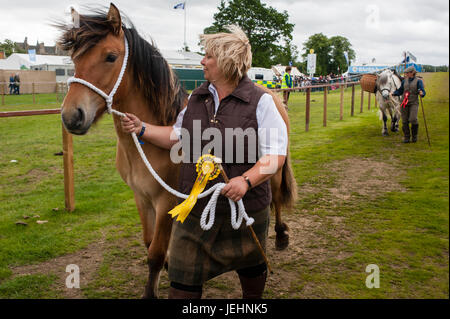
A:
(238, 110)
(411, 87)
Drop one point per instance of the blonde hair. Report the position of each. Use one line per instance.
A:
(232, 51)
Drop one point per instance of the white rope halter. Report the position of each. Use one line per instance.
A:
(210, 209)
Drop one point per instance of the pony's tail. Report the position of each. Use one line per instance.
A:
(288, 185)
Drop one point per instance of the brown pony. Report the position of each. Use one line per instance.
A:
(150, 90)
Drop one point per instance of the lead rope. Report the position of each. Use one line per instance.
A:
(209, 211)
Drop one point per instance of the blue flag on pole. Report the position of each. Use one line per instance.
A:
(179, 6)
(346, 56)
(32, 55)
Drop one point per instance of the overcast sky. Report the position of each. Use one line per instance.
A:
(380, 29)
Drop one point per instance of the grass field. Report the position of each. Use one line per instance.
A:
(363, 199)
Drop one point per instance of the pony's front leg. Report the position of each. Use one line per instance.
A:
(394, 124)
(157, 252)
(384, 131)
(147, 215)
(395, 121)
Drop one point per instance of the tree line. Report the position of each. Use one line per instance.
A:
(270, 34)
(10, 47)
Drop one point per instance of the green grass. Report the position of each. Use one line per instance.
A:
(405, 233)
(25, 102)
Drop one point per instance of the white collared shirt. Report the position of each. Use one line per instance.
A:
(272, 131)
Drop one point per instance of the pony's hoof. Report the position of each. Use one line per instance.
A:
(282, 238)
(148, 295)
(385, 134)
(282, 243)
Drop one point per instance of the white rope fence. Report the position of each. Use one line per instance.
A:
(209, 211)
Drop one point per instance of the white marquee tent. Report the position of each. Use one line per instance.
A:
(279, 70)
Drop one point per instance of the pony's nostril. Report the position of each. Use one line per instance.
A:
(81, 116)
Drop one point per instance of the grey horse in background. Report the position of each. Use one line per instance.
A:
(387, 82)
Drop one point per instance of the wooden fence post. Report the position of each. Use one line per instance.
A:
(325, 89)
(352, 112)
(32, 91)
(3, 93)
(308, 106)
(362, 101)
(57, 92)
(341, 109)
(370, 97)
(69, 189)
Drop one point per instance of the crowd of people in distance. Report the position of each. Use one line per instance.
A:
(304, 81)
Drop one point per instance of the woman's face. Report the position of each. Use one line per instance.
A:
(211, 71)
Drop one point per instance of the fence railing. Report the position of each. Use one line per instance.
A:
(325, 87)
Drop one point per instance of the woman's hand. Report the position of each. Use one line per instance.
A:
(131, 123)
(235, 189)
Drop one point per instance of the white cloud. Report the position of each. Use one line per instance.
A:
(413, 25)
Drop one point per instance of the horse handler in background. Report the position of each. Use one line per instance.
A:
(228, 100)
(411, 88)
(287, 83)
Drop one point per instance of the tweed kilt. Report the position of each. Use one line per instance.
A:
(195, 255)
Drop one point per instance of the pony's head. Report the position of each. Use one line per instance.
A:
(385, 83)
(97, 49)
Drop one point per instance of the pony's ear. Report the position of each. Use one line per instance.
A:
(114, 18)
(75, 16)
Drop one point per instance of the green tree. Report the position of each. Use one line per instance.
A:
(322, 48)
(433, 68)
(7, 46)
(340, 45)
(10, 47)
(330, 53)
(269, 31)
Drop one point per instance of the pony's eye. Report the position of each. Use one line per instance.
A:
(111, 58)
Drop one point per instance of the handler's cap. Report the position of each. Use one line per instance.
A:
(410, 69)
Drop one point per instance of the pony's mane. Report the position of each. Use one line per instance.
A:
(150, 71)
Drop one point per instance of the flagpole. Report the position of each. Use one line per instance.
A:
(185, 44)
